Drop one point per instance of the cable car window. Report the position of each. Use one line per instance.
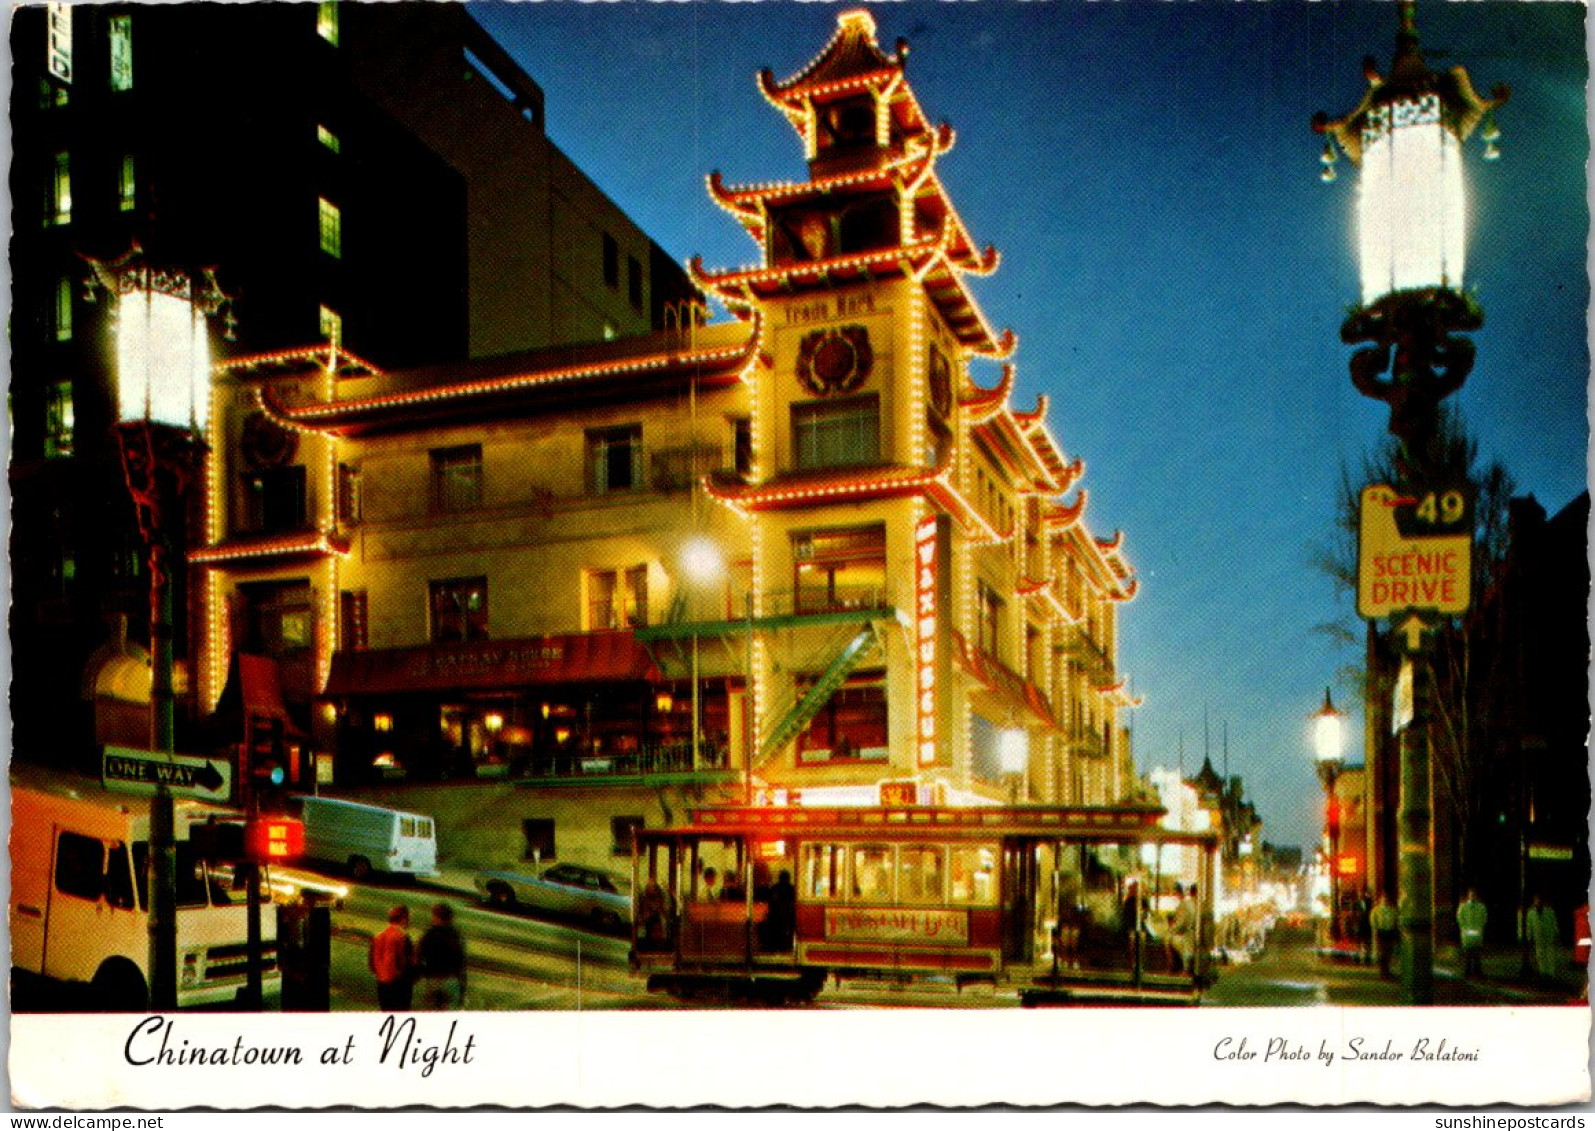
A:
(921, 874)
(824, 866)
(974, 875)
(872, 873)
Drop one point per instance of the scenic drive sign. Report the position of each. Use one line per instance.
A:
(1414, 552)
(140, 771)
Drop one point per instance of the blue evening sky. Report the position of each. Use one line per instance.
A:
(1175, 270)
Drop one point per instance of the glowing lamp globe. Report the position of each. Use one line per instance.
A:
(702, 560)
(162, 359)
(1326, 733)
(1013, 750)
(1412, 206)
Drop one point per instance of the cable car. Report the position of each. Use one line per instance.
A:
(1097, 905)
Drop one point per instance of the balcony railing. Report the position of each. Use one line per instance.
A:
(674, 757)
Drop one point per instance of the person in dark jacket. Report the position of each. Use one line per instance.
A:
(440, 959)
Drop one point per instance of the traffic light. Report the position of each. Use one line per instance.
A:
(271, 840)
(267, 756)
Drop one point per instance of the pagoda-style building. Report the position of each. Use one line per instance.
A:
(798, 555)
(966, 615)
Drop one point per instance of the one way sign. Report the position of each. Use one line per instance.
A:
(141, 771)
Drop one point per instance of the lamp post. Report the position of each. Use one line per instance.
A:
(1013, 758)
(163, 403)
(1406, 137)
(1327, 746)
(701, 560)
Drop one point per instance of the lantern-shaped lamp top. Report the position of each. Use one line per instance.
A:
(162, 358)
(1406, 136)
(1326, 732)
(162, 339)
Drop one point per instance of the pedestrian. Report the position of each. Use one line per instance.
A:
(392, 962)
(1544, 939)
(1182, 931)
(781, 919)
(440, 961)
(1382, 920)
(1471, 917)
(1364, 928)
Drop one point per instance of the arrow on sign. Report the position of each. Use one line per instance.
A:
(1412, 628)
(143, 771)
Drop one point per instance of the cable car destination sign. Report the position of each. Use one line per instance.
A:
(1414, 552)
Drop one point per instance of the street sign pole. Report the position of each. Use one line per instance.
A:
(1414, 566)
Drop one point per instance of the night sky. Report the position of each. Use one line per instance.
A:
(1174, 268)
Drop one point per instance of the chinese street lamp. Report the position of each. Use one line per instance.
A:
(1327, 746)
(702, 562)
(1406, 137)
(163, 405)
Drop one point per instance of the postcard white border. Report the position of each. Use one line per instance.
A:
(819, 1058)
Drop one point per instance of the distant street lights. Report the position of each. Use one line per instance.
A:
(1327, 731)
(1406, 137)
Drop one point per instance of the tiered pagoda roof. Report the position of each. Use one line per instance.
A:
(932, 244)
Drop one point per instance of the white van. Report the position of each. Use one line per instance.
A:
(80, 900)
(368, 838)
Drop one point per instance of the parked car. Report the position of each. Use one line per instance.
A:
(563, 889)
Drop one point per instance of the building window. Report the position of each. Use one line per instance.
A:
(457, 478)
(52, 94)
(634, 282)
(353, 618)
(327, 21)
(349, 500)
(840, 569)
(539, 834)
(121, 52)
(331, 228)
(330, 323)
(623, 830)
(59, 425)
(459, 609)
(611, 261)
(327, 138)
(62, 314)
(127, 185)
(274, 500)
(58, 202)
(614, 459)
(843, 433)
(280, 618)
(851, 726)
(617, 598)
(742, 446)
(988, 619)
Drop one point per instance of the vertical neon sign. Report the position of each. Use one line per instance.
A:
(925, 632)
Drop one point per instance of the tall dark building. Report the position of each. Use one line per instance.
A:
(376, 175)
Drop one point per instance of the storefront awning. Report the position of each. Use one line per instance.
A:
(1007, 688)
(595, 657)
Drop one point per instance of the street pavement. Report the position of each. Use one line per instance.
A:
(1292, 971)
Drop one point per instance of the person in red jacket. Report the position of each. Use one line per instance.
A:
(392, 962)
